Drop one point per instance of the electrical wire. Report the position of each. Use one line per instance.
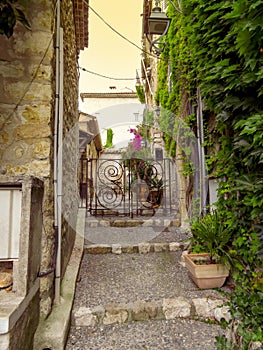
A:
(118, 33)
(178, 9)
(105, 76)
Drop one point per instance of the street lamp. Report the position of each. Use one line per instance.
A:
(157, 24)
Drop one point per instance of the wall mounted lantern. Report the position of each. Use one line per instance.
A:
(157, 24)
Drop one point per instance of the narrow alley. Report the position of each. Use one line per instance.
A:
(139, 296)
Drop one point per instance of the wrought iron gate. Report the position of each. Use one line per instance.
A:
(127, 187)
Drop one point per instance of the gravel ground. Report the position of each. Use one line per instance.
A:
(133, 235)
(109, 278)
(149, 335)
(122, 278)
(171, 234)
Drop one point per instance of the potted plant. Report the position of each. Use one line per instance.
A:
(156, 186)
(208, 265)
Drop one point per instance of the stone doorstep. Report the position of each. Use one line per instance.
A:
(142, 248)
(164, 309)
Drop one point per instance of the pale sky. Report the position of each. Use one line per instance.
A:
(109, 54)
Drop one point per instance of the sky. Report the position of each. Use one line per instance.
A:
(109, 54)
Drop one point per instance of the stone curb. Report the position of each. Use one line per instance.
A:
(142, 248)
(165, 222)
(52, 332)
(164, 309)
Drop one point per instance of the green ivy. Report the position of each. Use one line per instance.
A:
(218, 46)
(140, 93)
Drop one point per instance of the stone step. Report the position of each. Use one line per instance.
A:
(118, 221)
(141, 310)
(128, 287)
(131, 239)
(142, 248)
(120, 288)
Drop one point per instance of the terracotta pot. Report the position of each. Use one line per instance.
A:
(205, 275)
(155, 196)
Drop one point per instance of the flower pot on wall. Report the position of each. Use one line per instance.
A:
(204, 274)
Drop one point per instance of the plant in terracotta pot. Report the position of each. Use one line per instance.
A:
(156, 187)
(209, 263)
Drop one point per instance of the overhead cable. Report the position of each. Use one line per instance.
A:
(118, 33)
(105, 76)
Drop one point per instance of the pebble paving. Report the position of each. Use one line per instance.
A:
(149, 335)
(110, 278)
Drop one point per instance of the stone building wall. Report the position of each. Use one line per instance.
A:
(27, 103)
(26, 117)
(71, 134)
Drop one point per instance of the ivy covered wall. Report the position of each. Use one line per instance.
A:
(217, 46)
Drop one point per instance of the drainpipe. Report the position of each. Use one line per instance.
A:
(201, 154)
(58, 134)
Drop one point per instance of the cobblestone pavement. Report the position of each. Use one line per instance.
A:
(126, 279)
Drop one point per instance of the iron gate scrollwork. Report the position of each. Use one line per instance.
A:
(109, 189)
(126, 187)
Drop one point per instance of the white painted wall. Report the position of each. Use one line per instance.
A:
(119, 114)
(10, 209)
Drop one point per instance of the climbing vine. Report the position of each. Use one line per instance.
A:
(140, 93)
(217, 46)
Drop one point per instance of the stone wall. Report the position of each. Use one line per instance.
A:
(26, 115)
(28, 322)
(27, 100)
(71, 134)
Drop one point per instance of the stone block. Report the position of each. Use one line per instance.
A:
(154, 310)
(37, 92)
(205, 307)
(84, 317)
(115, 314)
(41, 150)
(130, 249)
(161, 247)
(33, 43)
(98, 249)
(35, 113)
(30, 131)
(174, 246)
(138, 312)
(116, 249)
(178, 307)
(223, 313)
(13, 69)
(144, 248)
(99, 312)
